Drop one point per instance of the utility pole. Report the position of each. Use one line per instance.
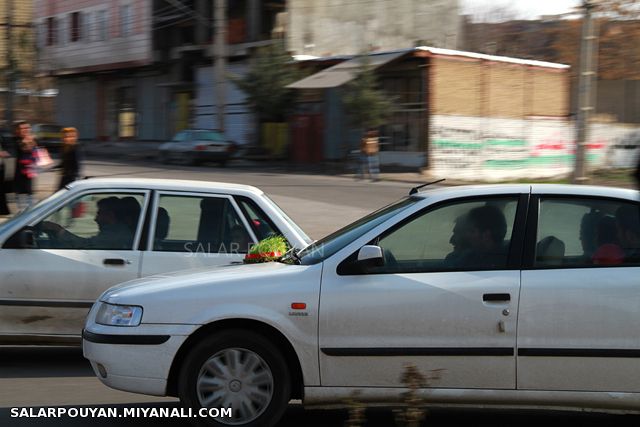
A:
(585, 87)
(10, 72)
(220, 58)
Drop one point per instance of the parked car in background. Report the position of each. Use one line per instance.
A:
(59, 256)
(48, 136)
(195, 146)
(518, 295)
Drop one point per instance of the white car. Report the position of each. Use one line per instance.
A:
(58, 257)
(519, 295)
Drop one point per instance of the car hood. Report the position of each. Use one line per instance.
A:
(196, 297)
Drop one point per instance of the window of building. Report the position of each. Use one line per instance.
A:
(76, 26)
(126, 20)
(101, 25)
(87, 30)
(52, 31)
(42, 34)
(62, 31)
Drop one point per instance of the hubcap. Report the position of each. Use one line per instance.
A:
(236, 378)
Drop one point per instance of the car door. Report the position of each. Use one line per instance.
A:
(48, 286)
(578, 326)
(431, 304)
(191, 230)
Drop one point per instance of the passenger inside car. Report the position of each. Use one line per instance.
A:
(162, 228)
(485, 234)
(588, 225)
(459, 241)
(112, 233)
(628, 230)
(608, 250)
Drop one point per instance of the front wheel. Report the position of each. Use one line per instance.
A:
(240, 370)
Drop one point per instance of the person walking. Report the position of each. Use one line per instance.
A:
(70, 162)
(369, 148)
(4, 154)
(25, 171)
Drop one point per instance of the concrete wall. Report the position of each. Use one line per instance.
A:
(340, 27)
(494, 149)
(473, 87)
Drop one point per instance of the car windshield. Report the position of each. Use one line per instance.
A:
(324, 248)
(208, 136)
(17, 217)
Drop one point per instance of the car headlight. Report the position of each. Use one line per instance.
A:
(119, 315)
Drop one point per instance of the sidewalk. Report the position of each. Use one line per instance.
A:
(148, 151)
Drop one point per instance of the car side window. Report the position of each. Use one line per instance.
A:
(580, 232)
(107, 221)
(463, 236)
(262, 226)
(199, 225)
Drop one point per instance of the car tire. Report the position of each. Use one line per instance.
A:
(211, 368)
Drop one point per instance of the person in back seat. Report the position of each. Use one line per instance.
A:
(609, 251)
(485, 234)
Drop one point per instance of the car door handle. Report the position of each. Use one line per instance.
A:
(115, 261)
(496, 297)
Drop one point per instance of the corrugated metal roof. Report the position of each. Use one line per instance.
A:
(344, 72)
(474, 55)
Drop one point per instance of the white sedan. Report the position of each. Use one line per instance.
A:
(519, 295)
(58, 257)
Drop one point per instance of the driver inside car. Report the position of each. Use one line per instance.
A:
(112, 233)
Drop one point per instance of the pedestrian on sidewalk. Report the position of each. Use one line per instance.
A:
(4, 208)
(25, 172)
(70, 162)
(369, 162)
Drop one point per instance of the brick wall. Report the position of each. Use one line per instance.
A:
(22, 34)
(480, 88)
(456, 87)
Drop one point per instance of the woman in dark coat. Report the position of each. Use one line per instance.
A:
(4, 209)
(70, 163)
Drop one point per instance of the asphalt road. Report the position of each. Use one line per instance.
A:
(320, 204)
(61, 377)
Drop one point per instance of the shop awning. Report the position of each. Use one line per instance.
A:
(345, 71)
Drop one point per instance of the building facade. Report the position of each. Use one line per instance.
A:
(132, 69)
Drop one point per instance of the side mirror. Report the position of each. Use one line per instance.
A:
(370, 256)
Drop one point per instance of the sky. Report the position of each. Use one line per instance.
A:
(527, 9)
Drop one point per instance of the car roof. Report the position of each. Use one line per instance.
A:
(556, 189)
(166, 184)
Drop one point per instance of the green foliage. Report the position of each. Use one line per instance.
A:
(368, 107)
(269, 249)
(265, 83)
